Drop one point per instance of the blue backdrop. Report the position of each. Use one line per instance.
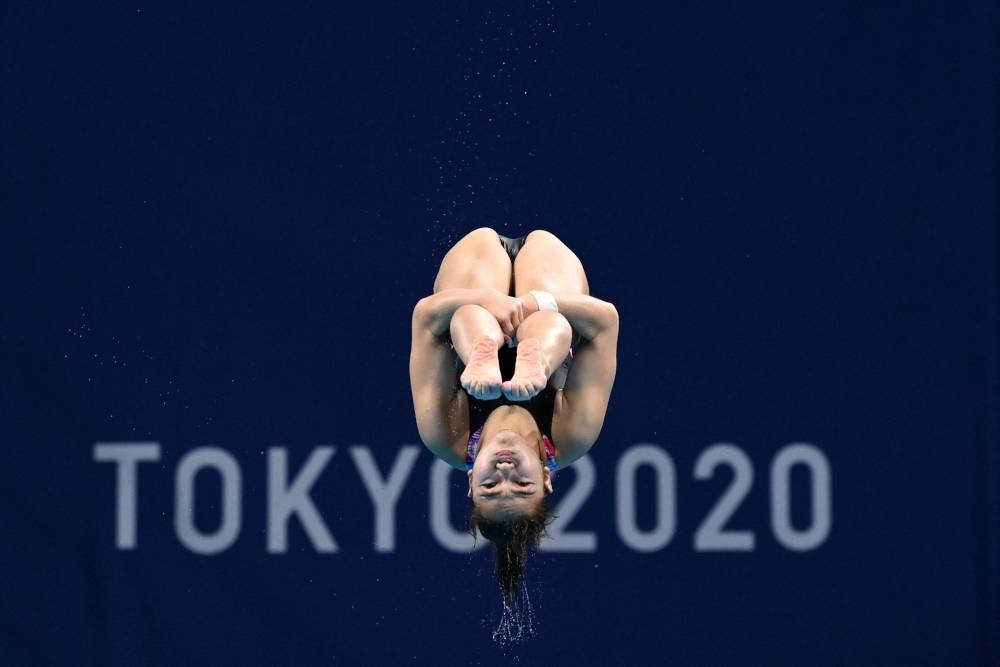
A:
(216, 221)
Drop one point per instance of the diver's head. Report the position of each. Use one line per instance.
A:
(509, 485)
(509, 477)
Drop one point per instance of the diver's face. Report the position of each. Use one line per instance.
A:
(508, 478)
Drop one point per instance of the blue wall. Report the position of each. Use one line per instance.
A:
(216, 224)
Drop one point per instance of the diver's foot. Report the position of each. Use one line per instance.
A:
(481, 378)
(529, 372)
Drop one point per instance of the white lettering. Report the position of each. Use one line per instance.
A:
(822, 512)
(385, 493)
(127, 456)
(560, 539)
(441, 489)
(229, 529)
(711, 535)
(283, 500)
(666, 498)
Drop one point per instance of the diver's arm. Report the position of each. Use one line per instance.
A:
(588, 316)
(434, 312)
(582, 404)
(439, 404)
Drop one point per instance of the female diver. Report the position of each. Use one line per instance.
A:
(520, 309)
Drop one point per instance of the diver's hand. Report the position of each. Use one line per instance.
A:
(508, 311)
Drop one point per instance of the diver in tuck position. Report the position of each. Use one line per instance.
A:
(515, 308)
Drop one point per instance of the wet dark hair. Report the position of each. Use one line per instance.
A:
(511, 540)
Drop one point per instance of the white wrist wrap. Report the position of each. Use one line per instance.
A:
(545, 300)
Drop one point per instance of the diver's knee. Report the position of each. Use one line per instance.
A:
(483, 233)
(541, 235)
(550, 321)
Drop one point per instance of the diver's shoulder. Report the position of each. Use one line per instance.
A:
(568, 453)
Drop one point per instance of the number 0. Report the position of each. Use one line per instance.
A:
(666, 498)
(781, 523)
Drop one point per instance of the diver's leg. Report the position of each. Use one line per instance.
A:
(546, 263)
(544, 337)
(477, 260)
